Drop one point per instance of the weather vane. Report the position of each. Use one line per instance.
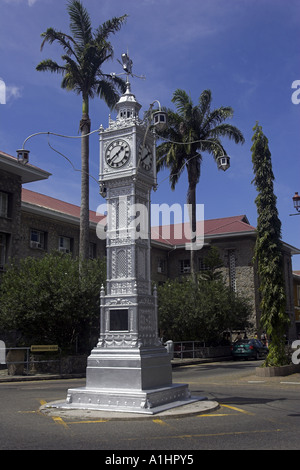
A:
(127, 67)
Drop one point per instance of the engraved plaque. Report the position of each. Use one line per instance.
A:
(118, 320)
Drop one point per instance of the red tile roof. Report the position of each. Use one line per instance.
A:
(178, 234)
(174, 234)
(47, 202)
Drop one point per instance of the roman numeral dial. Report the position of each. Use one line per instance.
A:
(146, 157)
(117, 153)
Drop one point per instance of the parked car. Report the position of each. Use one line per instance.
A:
(249, 348)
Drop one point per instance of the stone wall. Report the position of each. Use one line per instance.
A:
(10, 225)
(53, 230)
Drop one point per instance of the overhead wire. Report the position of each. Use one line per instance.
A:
(97, 130)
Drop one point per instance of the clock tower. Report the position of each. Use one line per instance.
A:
(129, 369)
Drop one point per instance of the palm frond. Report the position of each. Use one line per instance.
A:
(109, 27)
(106, 91)
(214, 147)
(176, 162)
(217, 116)
(228, 130)
(117, 81)
(80, 22)
(70, 84)
(205, 100)
(182, 101)
(73, 78)
(51, 35)
(50, 66)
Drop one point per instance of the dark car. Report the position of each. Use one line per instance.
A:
(249, 348)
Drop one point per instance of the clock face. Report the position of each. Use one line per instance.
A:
(145, 157)
(117, 153)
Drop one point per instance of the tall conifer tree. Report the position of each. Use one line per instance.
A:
(268, 252)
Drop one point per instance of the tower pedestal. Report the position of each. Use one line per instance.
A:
(129, 380)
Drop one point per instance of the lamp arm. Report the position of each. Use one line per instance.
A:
(58, 135)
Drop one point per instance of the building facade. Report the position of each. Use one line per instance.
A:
(235, 239)
(13, 173)
(48, 224)
(296, 284)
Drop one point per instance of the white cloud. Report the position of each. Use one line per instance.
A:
(13, 92)
(29, 2)
(2, 92)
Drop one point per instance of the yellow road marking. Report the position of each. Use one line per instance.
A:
(24, 412)
(160, 421)
(193, 436)
(60, 421)
(42, 402)
(89, 421)
(237, 409)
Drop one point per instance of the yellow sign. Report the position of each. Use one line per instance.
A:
(43, 347)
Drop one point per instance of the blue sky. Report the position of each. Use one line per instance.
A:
(245, 51)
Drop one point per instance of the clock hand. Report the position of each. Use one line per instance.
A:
(144, 158)
(117, 154)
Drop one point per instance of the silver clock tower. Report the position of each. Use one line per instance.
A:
(129, 369)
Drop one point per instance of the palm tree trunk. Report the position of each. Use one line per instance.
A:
(85, 126)
(191, 200)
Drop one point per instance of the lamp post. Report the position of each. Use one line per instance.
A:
(296, 202)
(159, 118)
(223, 161)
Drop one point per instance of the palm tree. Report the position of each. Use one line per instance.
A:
(85, 51)
(190, 132)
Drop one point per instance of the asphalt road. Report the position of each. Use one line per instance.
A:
(254, 414)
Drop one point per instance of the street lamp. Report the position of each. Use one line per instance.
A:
(23, 156)
(223, 162)
(159, 117)
(296, 202)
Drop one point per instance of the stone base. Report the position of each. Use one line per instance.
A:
(134, 380)
(129, 369)
(130, 401)
(280, 371)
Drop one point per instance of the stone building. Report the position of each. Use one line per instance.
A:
(235, 239)
(13, 173)
(48, 224)
(296, 283)
(32, 224)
